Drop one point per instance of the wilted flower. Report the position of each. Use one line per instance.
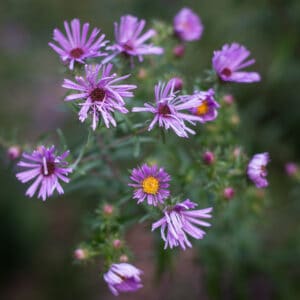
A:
(178, 221)
(257, 169)
(102, 95)
(291, 168)
(228, 61)
(47, 168)
(167, 109)
(187, 25)
(131, 41)
(123, 277)
(76, 46)
(206, 106)
(151, 183)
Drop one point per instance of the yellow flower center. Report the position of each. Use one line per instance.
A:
(203, 108)
(150, 185)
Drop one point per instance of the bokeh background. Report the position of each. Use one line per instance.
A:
(37, 239)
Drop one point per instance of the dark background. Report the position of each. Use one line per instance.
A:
(37, 239)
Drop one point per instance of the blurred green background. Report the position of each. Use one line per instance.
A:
(37, 239)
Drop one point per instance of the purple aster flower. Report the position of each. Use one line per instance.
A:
(257, 169)
(76, 46)
(123, 277)
(102, 95)
(168, 107)
(131, 41)
(228, 61)
(187, 25)
(151, 183)
(206, 108)
(179, 221)
(46, 168)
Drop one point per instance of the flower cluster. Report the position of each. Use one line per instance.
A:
(150, 183)
(100, 94)
(173, 112)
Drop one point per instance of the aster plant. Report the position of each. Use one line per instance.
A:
(180, 143)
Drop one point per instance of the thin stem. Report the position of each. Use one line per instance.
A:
(83, 149)
(126, 137)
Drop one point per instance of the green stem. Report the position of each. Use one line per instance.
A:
(83, 149)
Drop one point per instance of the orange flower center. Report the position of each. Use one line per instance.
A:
(203, 108)
(150, 185)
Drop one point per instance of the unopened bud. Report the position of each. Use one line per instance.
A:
(235, 120)
(178, 83)
(123, 258)
(179, 50)
(228, 99)
(260, 193)
(237, 152)
(117, 244)
(228, 193)
(291, 169)
(208, 158)
(142, 74)
(39, 148)
(80, 254)
(14, 152)
(108, 209)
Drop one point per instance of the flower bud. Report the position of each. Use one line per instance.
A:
(260, 193)
(237, 152)
(235, 120)
(228, 193)
(178, 83)
(142, 74)
(228, 99)
(117, 244)
(14, 152)
(80, 254)
(123, 258)
(208, 158)
(108, 209)
(179, 50)
(291, 168)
